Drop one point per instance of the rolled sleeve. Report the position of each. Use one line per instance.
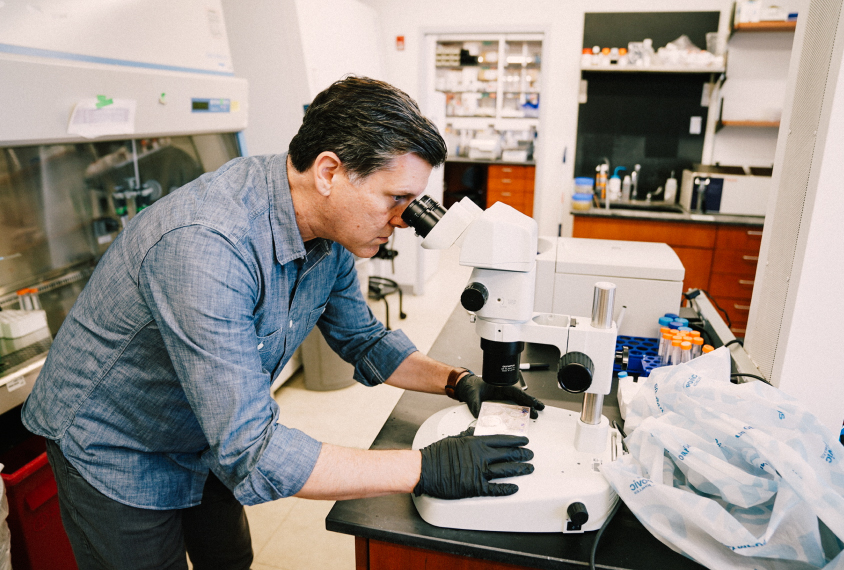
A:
(201, 291)
(383, 358)
(289, 452)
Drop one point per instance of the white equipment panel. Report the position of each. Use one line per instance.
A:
(171, 59)
(648, 279)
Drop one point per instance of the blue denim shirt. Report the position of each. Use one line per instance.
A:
(162, 369)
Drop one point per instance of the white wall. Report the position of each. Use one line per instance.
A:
(339, 37)
(562, 23)
(757, 71)
(810, 368)
(266, 50)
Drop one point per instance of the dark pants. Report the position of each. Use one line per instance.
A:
(107, 535)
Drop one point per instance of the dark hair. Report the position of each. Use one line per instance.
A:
(366, 123)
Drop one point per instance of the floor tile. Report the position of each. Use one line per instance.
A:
(264, 520)
(303, 543)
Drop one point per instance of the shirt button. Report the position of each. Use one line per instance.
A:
(291, 324)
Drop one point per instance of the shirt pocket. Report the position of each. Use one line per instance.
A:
(270, 348)
(313, 317)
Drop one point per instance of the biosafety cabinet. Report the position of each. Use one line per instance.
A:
(648, 279)
(95, 125)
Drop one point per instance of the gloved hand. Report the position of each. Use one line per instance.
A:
(473, 391)
(461, 466)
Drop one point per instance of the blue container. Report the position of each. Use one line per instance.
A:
(640, 348)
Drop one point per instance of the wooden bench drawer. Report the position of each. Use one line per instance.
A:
(731, 286)
(738, 309)
(499, 171)
(738, 237)
(506, 185)
(515, 200)
(736, 262)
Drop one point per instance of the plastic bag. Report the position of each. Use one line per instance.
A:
(732, 476)
(5, 537)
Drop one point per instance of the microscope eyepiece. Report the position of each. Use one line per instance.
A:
(423, 214)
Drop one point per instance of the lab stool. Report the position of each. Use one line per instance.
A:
(379, 288)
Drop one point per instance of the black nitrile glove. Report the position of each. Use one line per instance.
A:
(473, 391)
(461, 466)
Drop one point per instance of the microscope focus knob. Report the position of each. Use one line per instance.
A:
(578, 516)
(474, 296)
(575, 372)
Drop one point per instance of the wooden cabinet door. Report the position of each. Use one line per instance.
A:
(389, 556)
(697, 262)
(681, 234)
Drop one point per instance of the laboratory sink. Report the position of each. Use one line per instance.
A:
(644, 206)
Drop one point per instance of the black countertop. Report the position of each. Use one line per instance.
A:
(626, 544)
(497, 161)
(618, 213)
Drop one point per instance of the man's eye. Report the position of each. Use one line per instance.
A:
(399, 198)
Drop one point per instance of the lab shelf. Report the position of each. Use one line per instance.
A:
(765, 124)
(766, 27)
(652, 69)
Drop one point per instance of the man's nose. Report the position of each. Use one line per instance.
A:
(398, 222)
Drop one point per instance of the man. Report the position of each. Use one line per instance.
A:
(155, 395)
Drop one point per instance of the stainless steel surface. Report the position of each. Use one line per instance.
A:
(593, 405)
(603, 302)
(646, 206)
(671, 216)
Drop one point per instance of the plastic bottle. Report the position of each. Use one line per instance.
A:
(674, 355)
(601, 181)
(625, 188)
(614, 186)
(697, 346)
(647, 51)
(664, 348)
(707, 348)
(685, 351)
(671, 189)
(661, 337)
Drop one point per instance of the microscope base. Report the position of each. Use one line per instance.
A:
(562, 476)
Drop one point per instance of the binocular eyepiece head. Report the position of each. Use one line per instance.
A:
(423, 214)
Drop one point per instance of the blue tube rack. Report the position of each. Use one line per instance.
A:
(643, 356)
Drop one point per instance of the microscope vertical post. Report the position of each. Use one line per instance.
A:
(603, 301)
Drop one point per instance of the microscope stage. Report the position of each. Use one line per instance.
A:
(562, 476)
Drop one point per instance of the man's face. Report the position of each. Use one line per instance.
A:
(365, 214)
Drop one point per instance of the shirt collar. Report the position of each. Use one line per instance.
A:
(287, 239)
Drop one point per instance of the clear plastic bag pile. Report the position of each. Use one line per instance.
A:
(732, 476)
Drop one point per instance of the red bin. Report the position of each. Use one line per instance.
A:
(39, 541)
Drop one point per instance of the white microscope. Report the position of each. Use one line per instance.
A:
(566, 492)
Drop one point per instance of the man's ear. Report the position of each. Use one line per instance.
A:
(327, 167)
